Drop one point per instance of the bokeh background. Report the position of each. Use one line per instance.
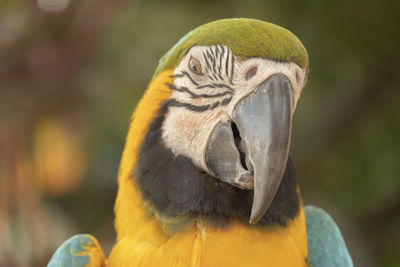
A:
(71, 73)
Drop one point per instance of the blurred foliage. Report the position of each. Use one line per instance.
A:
(69, 81)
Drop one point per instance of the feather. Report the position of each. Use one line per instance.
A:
(79, 251)
(326, 246)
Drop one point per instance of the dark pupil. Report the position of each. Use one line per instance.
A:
(194, 67)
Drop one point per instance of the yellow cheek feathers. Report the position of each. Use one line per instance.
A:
(156, 93)
(129, 206)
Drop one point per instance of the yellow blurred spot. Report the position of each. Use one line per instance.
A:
(59, 159)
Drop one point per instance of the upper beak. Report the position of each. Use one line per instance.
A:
(258, 159)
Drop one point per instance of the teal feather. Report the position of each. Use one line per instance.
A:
(69, 253)
(326, 246)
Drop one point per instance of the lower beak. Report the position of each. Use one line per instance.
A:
(255, 156)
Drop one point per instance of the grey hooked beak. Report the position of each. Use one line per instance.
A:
(252, 152)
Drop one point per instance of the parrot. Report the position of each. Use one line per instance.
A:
(206, 178)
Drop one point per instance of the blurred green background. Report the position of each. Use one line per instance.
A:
(71, 73)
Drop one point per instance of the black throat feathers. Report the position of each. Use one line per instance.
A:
(173, 185)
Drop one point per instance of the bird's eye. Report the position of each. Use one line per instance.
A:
(195, 66)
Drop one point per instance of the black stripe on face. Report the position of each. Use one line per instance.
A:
(220, 77)
(220, 61)
(217, 68)
(215, 77)
(212, 59)
(176, 103)
(206, 60)
(214, 105)
(227, 63)
(232, 66)
(193, 95)
(182, 89)
(214, 85)
(223, 51)
(212, 96)
(226, 101)
(184, 73)
(202, 108)
(216, 51)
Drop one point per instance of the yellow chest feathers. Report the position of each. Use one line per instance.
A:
(145, 244)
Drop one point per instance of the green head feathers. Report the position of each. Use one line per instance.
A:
(246, 37)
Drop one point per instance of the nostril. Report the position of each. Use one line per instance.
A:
(250, 74)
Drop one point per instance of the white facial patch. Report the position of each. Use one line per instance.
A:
(208, 84)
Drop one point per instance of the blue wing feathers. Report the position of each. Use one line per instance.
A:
(70, 252)
(326, 246)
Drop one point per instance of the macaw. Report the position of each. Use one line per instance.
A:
(205, 177)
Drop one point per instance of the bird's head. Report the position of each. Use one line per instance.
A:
(233, 86)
